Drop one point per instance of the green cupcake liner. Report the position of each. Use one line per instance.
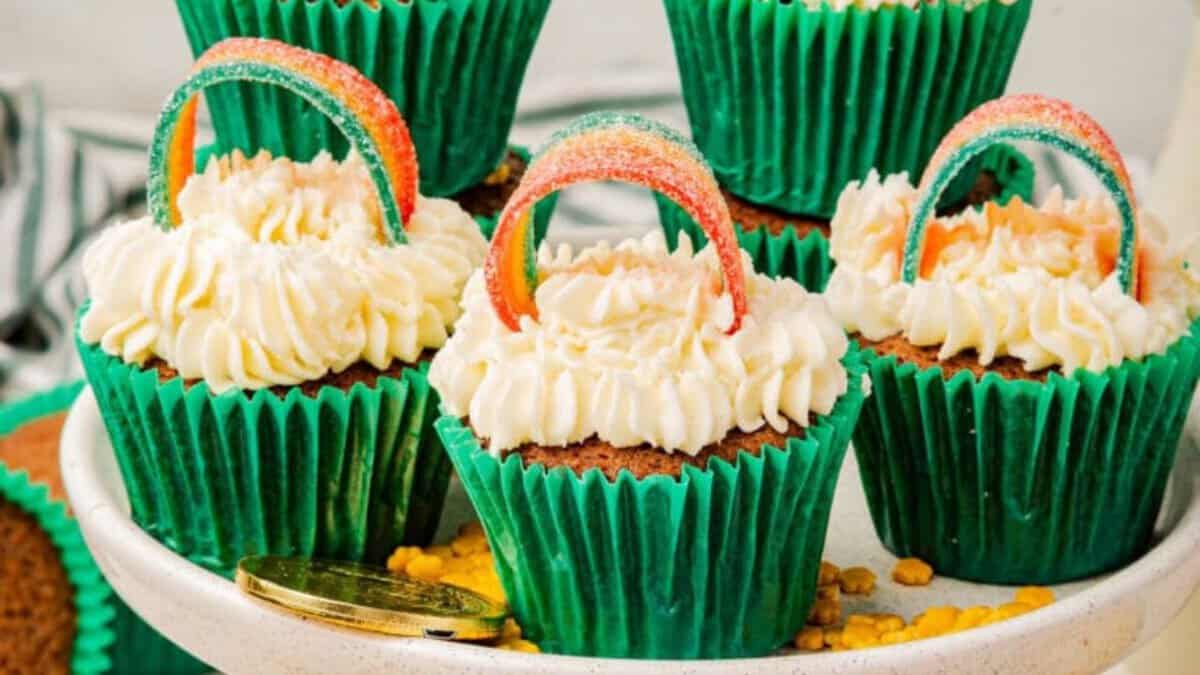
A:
(806, 259)
(93, 598)
(1019, 482)
(543, 211)
(453, 67)
(347, 475)
(134, 647)
(720, 563)
(790, 104)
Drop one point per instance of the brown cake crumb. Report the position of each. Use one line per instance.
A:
(1008, 367)
(359, 372)
(34, 447)
(37, 601)
(643, 460)
(490, 196)
(753, 216)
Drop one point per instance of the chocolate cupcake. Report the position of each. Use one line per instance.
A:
(651, 439)
(258, 345)
(1031, 367)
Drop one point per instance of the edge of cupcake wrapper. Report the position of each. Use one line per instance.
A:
(94, 615)
(1075, 553)
(509, 497)
(408, 416)
(761, 161)
(854, 361)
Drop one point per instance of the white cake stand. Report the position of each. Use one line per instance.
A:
(1094, 625)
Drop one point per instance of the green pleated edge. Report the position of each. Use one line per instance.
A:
(344, 507)
(543, 211)
(134, 645)
(790, 104)
(1019, 482)
(564, 544)
(93, 608)
(453, 67)
(806, 259)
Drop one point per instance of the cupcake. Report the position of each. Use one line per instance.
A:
(651, 439)
(788, 245)
(258, 344)
(790, 101)
(453, 67)
(57, 614)
(1031, 366)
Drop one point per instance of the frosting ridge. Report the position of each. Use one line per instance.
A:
(279, 274)
(630, 345)
(1037, 284)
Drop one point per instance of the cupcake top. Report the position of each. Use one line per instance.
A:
(267, 272)
(280, 273)
(1043, 284)
(633, 344)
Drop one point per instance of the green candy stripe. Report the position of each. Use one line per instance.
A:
(158, 192)
(94, 613)
(932, 189)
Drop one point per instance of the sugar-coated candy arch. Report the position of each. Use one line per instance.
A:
(358, 108)
(1034, 118)
(617, 147)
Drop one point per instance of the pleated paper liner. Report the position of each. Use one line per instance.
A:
(790, 104)
(93, 598)
(806, 259)
(345, 474)
(718, 563)
(1020, 482)
(453, 67)
(112, 628)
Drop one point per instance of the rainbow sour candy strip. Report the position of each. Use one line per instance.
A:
(1033, 118)
(609, 146)
(363, 113)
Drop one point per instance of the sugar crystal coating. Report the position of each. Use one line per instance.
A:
(1027, 117)
(363, 113)
(609, 146)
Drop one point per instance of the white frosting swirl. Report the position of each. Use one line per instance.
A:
(630, 345)
(279, 274)
(1034, 284)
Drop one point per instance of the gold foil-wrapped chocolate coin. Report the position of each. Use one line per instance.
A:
(370, 598)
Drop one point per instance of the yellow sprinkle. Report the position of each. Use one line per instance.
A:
(833, 637)
(936, 621)
(860, 635)
(519, 646)
(465, 546)
(912, 572)
(440, 552)
(426, 567)
(511, 630)
(1035, 596)
(825, 612)
(810, 639)
(401, 557)
(860, 620)
(857, 581)
(1013, 609)
(887, 623)
(458, 565)
(829, 573)
(831, 592)
(971, 617)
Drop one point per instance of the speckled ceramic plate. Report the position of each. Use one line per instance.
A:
(1094, 625)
